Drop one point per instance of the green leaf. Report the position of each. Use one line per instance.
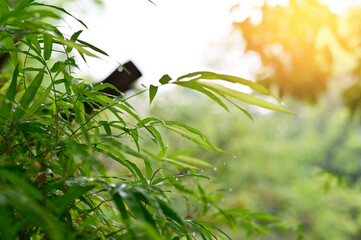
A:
(5, 111)
(152, 92)
(165, 79)
(161, 179)
(247, 98)
(195, 86)
(4, 8)
(48, 46)
(106, 126)
(60, 9)
(195, 161)
(169, 212)
(35, 106)
(9, 43)
(73, 39)
(136, 206)
(181, 164)
(23, 4)
(203, 139)
(242, 109)
(74, 192)
(93, 47)
(29, 95)
(214, 76)
(34, 41)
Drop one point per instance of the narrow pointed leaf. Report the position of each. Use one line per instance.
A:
(195, 86)
(29, 95)
(181, 164)
(60, 9)
(195, 139)
(35, 106)
(247, 98)
(195, 161)
(242, 109)
(9, 43)
(214, 76)
(23, 4)
(48, 46)
(73, 38)
(152, 92)
(5, 111)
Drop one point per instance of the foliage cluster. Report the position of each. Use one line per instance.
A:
(53, 180)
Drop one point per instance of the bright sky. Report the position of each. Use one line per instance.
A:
(170, 38)
(175, 37)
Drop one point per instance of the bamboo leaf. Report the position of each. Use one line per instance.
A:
(60, 9)
(165, 79)
(35, 106)
(93, 47)
(242, 109)
(5, 110)
(4, 8)
(23, 4)
(9, 43)
(247, 98)
(195, 86)
(74, 192)
(214, 76)
(29, 95)
(195, 161)
(73, 39)
(48, 46)
(169, 212)
(152, 92)
(181, 164)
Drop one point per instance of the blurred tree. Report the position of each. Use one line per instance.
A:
(302, 45)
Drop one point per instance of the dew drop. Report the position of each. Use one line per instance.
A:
(202, 170)
(176, 179)
(214, 169)
(224, 163)
(230, 190)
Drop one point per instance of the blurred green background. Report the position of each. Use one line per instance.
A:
(302, 169)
